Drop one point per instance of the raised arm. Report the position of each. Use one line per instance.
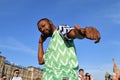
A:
(88, 32)
(40, 50)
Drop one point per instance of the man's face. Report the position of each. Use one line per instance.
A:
(16, 73)
(45, 28)
(81, 73)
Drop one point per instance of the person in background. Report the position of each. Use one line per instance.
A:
(81, 74)
(16, 75)
(107, 76)
(87, 76)
(3, 77)
(114, 77)
(60, 60)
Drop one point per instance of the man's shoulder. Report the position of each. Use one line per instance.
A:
(63, 30)
(63, 26)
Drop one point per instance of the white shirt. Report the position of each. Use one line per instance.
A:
(16, 78)
(79, 77)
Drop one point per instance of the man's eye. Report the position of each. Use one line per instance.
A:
(43, 25)
(39, 29)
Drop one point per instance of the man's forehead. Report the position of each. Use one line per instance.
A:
(43, 22)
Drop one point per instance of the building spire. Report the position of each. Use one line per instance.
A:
(115, 66)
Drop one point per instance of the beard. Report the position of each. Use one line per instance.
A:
(48, 31)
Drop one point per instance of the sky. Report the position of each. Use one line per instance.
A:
(19, 34)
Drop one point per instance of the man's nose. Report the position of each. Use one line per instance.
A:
(42, 30)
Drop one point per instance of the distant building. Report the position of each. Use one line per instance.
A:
(27, 73)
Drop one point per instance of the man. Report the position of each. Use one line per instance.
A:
(114, 77)
(3, 77)
(81, 74)
(16, 75)
(60, 57)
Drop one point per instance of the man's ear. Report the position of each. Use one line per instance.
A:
(50, 22)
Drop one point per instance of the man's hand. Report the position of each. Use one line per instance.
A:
(92, 33)
(88, 32)
(42, 38)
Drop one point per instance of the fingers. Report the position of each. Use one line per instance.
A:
(77, 27)
(93, 34)
(79, 30)
(98, 39)
(89, 32)
(42, 38)
(97, 36)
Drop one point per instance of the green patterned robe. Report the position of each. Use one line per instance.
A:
(60, 59)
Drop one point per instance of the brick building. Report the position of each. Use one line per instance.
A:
(27, 73)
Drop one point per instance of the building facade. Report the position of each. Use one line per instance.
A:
(27, 73)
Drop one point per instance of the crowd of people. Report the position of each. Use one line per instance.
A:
(86, 76)
(81, 74)
(14, 77)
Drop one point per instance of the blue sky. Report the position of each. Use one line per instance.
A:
(19, 34)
